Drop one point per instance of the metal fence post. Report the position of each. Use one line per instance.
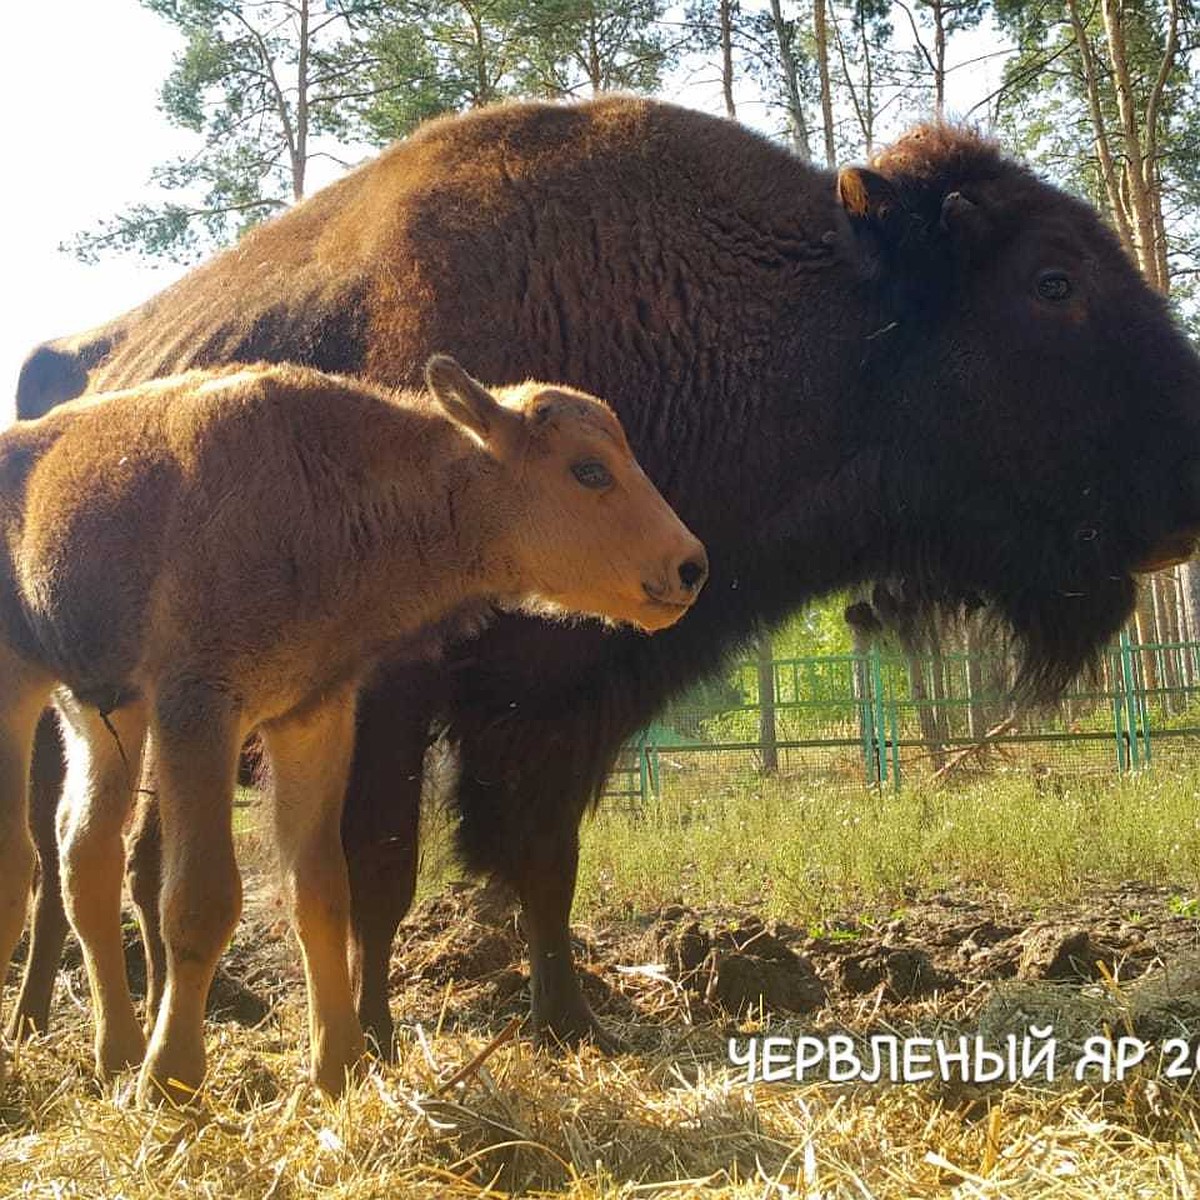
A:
(1132, 713)
(864, 698)
(880, 718)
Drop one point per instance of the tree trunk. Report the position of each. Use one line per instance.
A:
(863, 102)
(1147, 632)
(1135, 158)
(939, 58)
(1108, 169)
(791, 85)
(725, 12)
(926, 715)
(300, 152)
(977, 719)
(1189, 578)
(821, 35)
(594, 68)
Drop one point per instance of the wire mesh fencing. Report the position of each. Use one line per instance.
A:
(883, 717)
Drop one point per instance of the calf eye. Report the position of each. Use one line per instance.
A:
(1053, 285)
(592, 474)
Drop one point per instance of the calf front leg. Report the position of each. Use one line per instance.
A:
(196, 738)
(48, 929)
(310, 762)
(102, 766)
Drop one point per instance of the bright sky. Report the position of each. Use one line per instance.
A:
(80, 133)
(78, 92)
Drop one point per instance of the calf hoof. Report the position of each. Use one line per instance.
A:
(171, 1075)
(118, 1050)
(561, 1015)
(335, 1063)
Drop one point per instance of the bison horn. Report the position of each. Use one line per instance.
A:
(955, 209)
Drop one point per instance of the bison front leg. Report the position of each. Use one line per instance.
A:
(380, 833)
(525, 831)
(48, 929)
(546, 886)
(310, 762)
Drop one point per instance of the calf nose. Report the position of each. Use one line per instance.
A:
(693, 572)
(680, 578)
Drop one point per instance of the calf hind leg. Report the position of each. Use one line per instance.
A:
(143, 874)
(48, 929)
(24, 699)
(196, 737)
(103, 757)
(310, 761)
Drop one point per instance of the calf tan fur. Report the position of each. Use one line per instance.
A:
(224, 551)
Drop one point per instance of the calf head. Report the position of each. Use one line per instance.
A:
(1039, 411)
(589, 532)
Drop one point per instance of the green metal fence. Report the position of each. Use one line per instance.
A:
(883, 717)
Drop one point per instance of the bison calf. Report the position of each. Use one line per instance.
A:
(218, 552)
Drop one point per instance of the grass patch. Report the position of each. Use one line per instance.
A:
(799, 851)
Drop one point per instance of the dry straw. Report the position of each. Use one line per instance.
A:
(477, 1111)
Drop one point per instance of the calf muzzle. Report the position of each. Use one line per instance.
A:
(681, 580)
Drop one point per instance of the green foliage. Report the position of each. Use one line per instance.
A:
(269, 85)
(1042, 112)
(596, 45)
(255, 81)
(422, 58)
(715, 708)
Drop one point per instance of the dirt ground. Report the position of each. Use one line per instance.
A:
(952, 958)
(471, 1108)
(957, 957)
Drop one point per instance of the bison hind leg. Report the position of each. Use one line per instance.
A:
(380, 833)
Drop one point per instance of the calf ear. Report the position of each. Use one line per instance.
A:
(465, 400)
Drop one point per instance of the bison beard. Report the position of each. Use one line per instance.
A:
(833, 381)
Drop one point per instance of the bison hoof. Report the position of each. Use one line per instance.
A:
(380, 1037)
(25, 1025)
(567, 1035)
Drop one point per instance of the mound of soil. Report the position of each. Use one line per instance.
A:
(460, 959)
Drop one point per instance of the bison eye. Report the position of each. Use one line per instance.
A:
(1054, 285)
(592, 474)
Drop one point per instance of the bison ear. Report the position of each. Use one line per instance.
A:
(868, 197)
(465, 400)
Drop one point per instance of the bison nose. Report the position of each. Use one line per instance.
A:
(693, 572)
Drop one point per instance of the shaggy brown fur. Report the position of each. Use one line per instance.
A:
(219, 552)
(833, 385)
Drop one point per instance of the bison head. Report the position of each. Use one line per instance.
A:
(1040, 410)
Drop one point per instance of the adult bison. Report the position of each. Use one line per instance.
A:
(939, 369)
